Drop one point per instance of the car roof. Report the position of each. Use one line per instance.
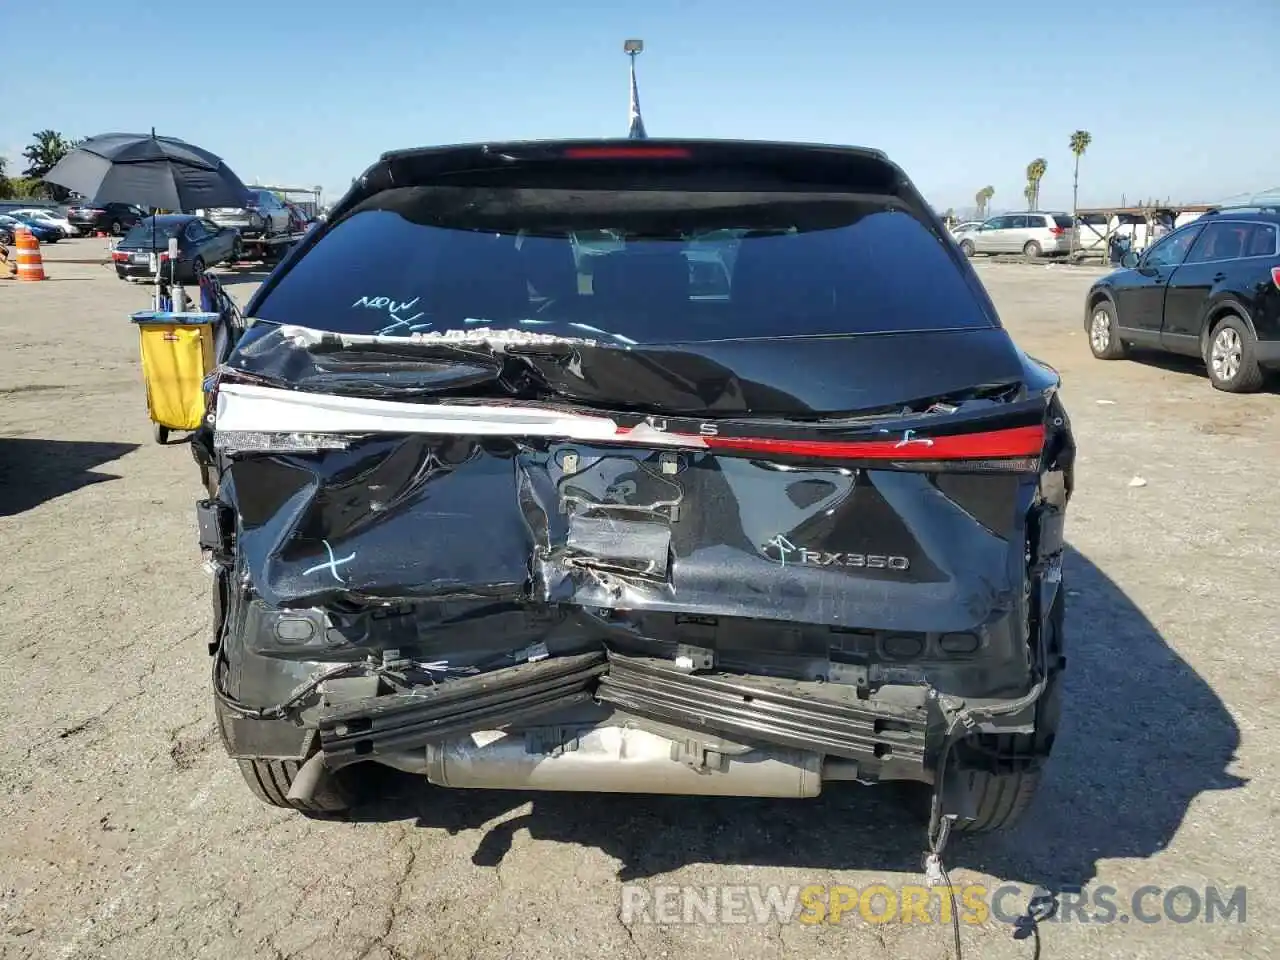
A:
(1258, 214)
(170, 218)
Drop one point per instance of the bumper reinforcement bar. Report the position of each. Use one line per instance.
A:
(352, 731)
(754, 710)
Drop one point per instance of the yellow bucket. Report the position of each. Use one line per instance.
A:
(177, 354)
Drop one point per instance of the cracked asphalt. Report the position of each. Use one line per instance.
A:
(125, 832)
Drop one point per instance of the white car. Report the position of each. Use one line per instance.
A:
(51, 217)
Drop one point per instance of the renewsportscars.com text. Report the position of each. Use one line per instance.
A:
(972, 904)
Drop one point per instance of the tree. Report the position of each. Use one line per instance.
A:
(983, 200)
(1029, 191)
(1080, 141)
(45, 150)
(5, 188)
(1035, 173)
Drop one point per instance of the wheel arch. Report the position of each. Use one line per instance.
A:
(1091, 301)
(1216, 312)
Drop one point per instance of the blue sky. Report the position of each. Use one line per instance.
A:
(1179, 95)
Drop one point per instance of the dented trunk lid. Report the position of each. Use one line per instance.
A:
(842, 440)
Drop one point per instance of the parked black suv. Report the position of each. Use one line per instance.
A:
(112, 218)
(483, 516)
(1210, 289)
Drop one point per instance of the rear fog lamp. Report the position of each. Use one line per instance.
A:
(902, 647)
(294, 630)
(958, 643)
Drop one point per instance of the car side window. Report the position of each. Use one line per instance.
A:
(1219, 241)
(1171, 250)
(999, 223)
(194, 231)
(209, 227)
(1262, 241)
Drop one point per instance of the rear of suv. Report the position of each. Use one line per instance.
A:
(766, 502)
(265, 216)
(1033, 234)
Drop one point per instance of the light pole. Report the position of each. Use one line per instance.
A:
(635, 131)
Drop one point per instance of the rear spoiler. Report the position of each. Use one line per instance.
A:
(870, 171)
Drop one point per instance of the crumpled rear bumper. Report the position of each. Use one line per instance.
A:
(617, 711)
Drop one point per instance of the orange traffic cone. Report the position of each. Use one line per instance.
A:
(30, 263)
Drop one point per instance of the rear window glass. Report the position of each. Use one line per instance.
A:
(1063, 220)
(141, 232)
(633, 266)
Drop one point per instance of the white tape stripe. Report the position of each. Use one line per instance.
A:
(245, 407)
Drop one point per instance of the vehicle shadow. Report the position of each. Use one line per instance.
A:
(1143, 735)
(33, 471)
(1189, 367)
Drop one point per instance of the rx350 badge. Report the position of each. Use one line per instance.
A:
(784, 552)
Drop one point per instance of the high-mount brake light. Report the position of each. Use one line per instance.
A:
(627, 153)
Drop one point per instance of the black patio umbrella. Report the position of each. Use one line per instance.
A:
(149, 171)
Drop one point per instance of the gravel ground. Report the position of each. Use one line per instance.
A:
(127, 834)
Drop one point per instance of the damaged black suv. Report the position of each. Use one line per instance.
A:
(648, 466)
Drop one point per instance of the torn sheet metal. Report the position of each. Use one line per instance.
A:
(526, 483)
(799, 377)
(403, 518)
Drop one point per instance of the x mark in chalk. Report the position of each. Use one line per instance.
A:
(331, 564)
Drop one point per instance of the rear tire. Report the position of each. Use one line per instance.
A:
(1002, 799)
(966, 247)
(270, 780)
(1231, 356)
(1032, 249)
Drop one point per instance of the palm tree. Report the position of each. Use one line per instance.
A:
(1080, 141)
(44, 151)
(1029, 191)
(1035, 173)
(983, 198)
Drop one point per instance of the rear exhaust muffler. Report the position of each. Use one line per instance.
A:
(612, 759)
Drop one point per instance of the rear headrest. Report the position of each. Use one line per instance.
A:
(641, 279)
(477, 275)
(549, 267)
(798, 271)
(1228, 244)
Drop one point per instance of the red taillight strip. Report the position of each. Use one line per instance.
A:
(1013, 442)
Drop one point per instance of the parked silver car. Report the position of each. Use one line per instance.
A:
(266, 215)
(1034, 234)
